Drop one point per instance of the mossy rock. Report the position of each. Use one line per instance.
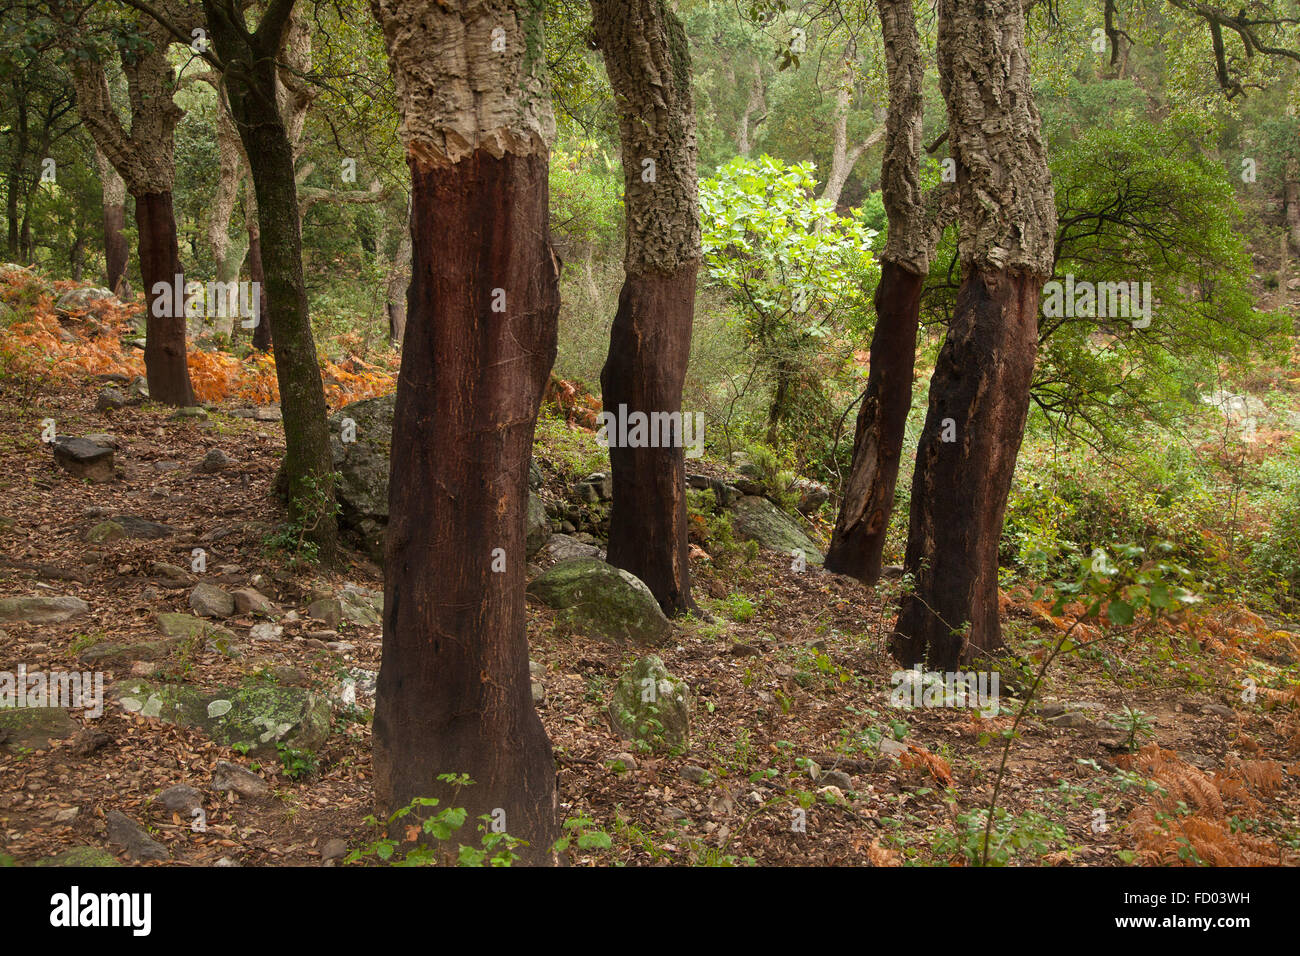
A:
(602, 601)
(181, 627)
(32, 728)
(652, 708)
(758, 519)
(256, 718)
(110, 652)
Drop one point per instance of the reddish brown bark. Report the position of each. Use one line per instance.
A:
(860, 529)
(115, 251)
(160, 266)
(454, 694)
(649, 347)
(262, 331)
(959, 491)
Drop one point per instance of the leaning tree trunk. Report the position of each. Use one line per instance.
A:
(113, 188)
(646, 56)
(979, 393)
(454, 695)
(858, 541)
(307, 470)
(166, 370)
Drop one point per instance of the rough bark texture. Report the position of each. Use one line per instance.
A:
(113, 188)
(262, 340)
(843, 155)
(306, 473)
(160, 262)
(980, 386)
(228, 256)
(858, 542)
(646, 57)
(144, 158)
(398, 284)
(454, 694)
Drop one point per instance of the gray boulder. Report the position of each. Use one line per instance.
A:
(758, 519)
(651, 707)
(32, 728)
(42, 610)
(82, 458)
(90, 300)
(602, 601)
(257, 717)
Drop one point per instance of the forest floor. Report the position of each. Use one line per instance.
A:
(793, 668)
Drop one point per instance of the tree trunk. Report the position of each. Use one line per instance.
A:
(863, 522)
(454, 694)
(979, 393)
(160, 273)
(1291, 199)
(113, 189)
(862, 525)
(646, 57)
(980, 390)
(398, 285)
(307, 470)
(262, 331)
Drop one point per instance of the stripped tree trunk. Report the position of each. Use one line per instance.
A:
(648, 63)
(858, 541)
(454, 694)
(145, 159)
(844, 156)
(979, 393)
(398, 285)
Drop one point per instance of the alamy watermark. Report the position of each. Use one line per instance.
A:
(71, 690)
(211, 300)
(653, 430)
(1101, 300)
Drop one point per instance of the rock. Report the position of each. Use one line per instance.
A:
(80, 856)
(539, 692)
(361, 606)
(110, 652)
(652, 707)
(172, 573)
(214, 461)
(208, 600)
(538, 526)
(334, 850)
(745, 650)
(835, 778)
(227, 776)
(341, 647)
(145, 530)
(192, 412)
(595, 488)
(535, 476)
(92, 300)
(42, 610)
(724, 494)
(255, 716)
(84, 459)
(1218, 710)
(110, 399)
(363, 467)
(1072, 719)
(189, 627)
(603, 601)
(90, 742)
(328, 610)
(696, 774)
(104, 532)
(889, 747)
(624, 758)
(265, 631)
(107, 440)
(125, 832)
(561, 547)
(758, 519)
(250, 601)
(32, 728)
(180, 799)
(812, 495)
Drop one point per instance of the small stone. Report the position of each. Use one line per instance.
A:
(192, 412)
(249, 601)
(1073, 720)
(125, 832)
(42, 610)
(626, 759)
(265, 631)
(110, 399)
(1218, 710)
(889, 747)
(104, 532)
(84, 459)
(89, 742)
(227, 776)
(334, 850)
(208, 600)
(180, 799)
(67, 814)
(836, 778)
(214, 461)
(329, 610)
(745, 650)
(539, 692)
(341, 647)
(695, 774)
